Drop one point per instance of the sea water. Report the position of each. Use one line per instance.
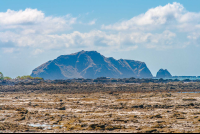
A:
(189, 92)
(197, 78)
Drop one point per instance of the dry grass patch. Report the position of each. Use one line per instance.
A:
(88, 99)
(189, 99)
(125, 99)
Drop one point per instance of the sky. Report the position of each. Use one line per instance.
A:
(162, 33)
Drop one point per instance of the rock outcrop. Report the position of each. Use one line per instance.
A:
(163, 73)
(90, 64)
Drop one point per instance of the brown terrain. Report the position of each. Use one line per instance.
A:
(83, 107)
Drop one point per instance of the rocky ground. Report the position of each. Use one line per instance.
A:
(75, 87)
(99, 112)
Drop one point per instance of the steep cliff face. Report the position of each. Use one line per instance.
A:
(163, 73)
(90, 64)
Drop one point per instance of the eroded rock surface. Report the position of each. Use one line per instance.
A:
(100, 112)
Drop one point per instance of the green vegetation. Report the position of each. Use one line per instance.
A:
(28, 77)
(1, 76)
(4, 78)
(19, 77)
(7, 78)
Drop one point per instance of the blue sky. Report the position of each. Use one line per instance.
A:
(161, 33)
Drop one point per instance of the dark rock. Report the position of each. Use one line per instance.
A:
(138, 106)
(20, 119)
(61, 108)
(151, 130)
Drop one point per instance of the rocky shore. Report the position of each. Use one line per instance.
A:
(103, 80)
(152, 112)
(78, 86)
(62, 106)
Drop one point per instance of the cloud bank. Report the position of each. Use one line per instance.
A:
(162, 27)
(172, 16)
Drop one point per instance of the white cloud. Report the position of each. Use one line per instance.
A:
(96, 39)
(194, 38)
(34, 21)
(93, 39)
(92, 22)
(189, 17)
(155, 29)
(8, 50)
(21, 17)
(37, 51)
(169, 16)
(184, 27)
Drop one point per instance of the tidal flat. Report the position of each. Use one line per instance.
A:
(128, 110)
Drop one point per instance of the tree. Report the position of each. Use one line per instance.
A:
(7, 78)
(28, 77)
(1, 76)
(18, 77)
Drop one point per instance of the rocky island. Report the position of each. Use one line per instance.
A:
(163, 73)
(90, 64)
